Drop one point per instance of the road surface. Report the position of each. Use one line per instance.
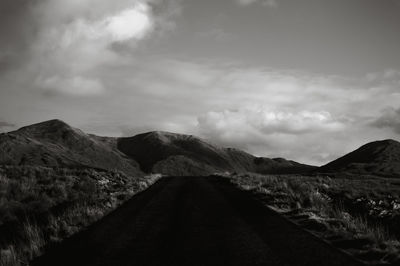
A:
(193, 221)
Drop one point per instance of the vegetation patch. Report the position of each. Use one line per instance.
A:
(358, 214)
(40, 205)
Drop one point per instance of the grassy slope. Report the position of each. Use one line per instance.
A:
(55, 144)
(40, 205)
(359, 214)
(182, 154)
(378, 157)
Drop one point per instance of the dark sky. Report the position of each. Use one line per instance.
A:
(307, 80)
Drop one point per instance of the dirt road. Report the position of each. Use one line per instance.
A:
(193, 221)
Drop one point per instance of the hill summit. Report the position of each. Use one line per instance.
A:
(56, 144)
(378, 157)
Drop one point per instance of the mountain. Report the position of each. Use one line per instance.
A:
(54, 143)
(178, 154)
(378, 157)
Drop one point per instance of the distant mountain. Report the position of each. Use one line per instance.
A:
(54, 143)
(378, 157)
(177, 154)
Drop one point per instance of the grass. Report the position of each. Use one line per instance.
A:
(40, 206)
(9, 257)
(355, 213)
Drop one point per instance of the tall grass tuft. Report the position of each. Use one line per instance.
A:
(9, 257)
(33, 238)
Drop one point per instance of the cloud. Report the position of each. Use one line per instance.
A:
(131, 23)
(76, 86)
(266, 121)
(270, 3)
(74, 39)
(390, 118)
(267, 3)
(73, 49)
(277, 113)
(273, 133)
(135, 22)
(98, 49)
(308, 117)
(17, 27)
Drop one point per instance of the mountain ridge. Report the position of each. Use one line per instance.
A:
(55, 143)
(157, 148)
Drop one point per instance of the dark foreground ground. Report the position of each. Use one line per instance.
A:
(193, 221)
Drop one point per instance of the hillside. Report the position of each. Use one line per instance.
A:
(55, 144)
(378, 157)
(176, 154)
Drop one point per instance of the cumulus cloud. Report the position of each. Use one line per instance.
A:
(66, 52)
(267, 121)
(272, 133)
(267, 112)
(132, 23)
(74, 39)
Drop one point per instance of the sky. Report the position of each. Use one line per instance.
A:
(307, 80)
